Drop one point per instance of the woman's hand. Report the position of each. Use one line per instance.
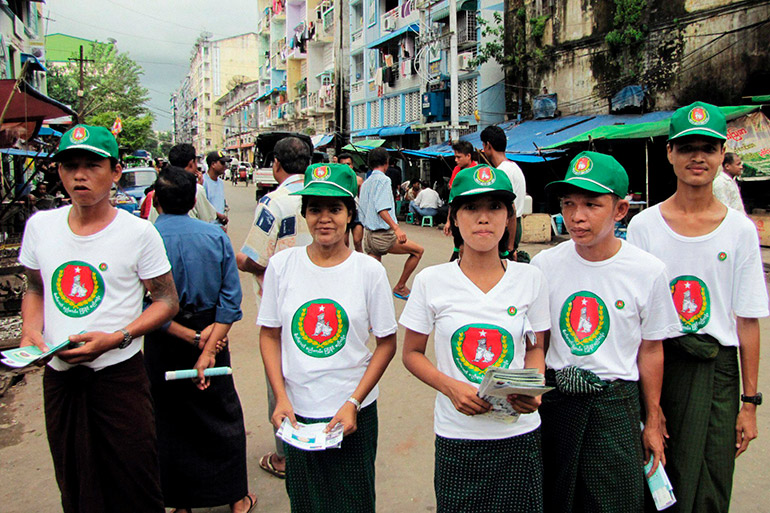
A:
(347, 416)
(465, 398)
(283, 409)
(205, 361)
(524, 403)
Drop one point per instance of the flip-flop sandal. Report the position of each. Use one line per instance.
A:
(252, 502)
(266, 464)
(401, 296)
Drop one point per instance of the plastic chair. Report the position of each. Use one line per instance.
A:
(410, 218)
(427, 221)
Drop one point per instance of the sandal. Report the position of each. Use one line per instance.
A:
(266, 464)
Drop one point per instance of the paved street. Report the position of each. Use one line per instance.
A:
(405, 456)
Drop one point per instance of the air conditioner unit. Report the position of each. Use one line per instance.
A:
(390, 24)
(464, 60)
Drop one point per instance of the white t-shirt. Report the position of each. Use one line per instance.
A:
(428, 198)
(713, 277)
(92, 283)
(325, 314)
(516, 176)
(475, 331)
(601, 311)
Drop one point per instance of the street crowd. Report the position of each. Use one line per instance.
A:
(651, 345)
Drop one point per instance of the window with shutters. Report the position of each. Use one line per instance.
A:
(375, 106)
(412, 107)
(467, 97)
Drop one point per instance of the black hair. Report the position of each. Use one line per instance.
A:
(566, 189)
(293, 154)
(181, 155)
(175, 190)
(458, 203)
(350, 204)
(729, 158)
(378, 157)
(414, 181)
(342, 156)
(495, 136)
(463, 147)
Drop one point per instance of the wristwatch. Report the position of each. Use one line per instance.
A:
(355, 403)
(752, 399)
(127, 338)
(197, 339)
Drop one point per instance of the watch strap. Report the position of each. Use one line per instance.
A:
(127, 338)
(197, 339)
(355, 402)
(752, 399)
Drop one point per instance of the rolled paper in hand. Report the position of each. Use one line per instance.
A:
(192, 373)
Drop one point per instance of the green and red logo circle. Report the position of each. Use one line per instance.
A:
(582, 166)
(692, 302)
(77, 288)
(620, 304)
(699, 116)
(484, 176)
(722, 256)
(321, 173)
(512, 311)
(79, 134)
(320, 328)
(584, 322)
(478, 346)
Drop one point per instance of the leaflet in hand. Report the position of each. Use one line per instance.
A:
(499, 383)
(24, 356)
(660, 486)
(310, 437)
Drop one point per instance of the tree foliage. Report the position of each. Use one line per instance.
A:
(137, 130)
(110, 84)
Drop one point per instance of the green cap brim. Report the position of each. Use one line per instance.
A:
(85, 147)
(324, 189)
(581, 183)
(705, 132)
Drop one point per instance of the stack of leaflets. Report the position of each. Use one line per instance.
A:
(310, 437)
(29, 355)
(499, 383)
(660, 486)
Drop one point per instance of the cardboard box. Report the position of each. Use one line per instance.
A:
(537, 228)
(763, 227)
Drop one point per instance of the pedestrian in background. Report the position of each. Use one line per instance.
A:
(725, 184)
(319, 304)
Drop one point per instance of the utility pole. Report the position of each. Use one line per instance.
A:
(422, 65)
(341, 74)
(454, 96)
(81, 90)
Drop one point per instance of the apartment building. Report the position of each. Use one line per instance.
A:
(393, 56)
(216, 67)
(239, 117)
(296, 67)
(21, 39)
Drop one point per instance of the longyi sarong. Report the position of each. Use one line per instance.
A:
(489, 476)
(102, 438)
(592, 450)
(335, 480)
(700, 399)
(201, 435)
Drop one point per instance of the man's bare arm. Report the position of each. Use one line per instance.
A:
(746, 424)
(248, 265)
(32, 310)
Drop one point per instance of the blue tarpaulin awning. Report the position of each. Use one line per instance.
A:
(34, 63)
(366, 132)
(45, 130)
(525, 138)
(23, 153)
(414, 27)
(268, 93)
(391, 131)
(322, 140)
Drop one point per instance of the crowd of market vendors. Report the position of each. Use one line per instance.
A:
(651, 345)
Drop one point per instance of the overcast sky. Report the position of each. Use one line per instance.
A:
(157, 34)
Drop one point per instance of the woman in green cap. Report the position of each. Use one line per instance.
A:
(318, 305)
(486, 311)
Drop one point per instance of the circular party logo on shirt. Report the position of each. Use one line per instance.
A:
(584, 322)
(320, 328)
(77, 289)
(691, 299)
(478, 346)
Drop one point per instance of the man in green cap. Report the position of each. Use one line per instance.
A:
(610, 309)
(87, 268)
(717, 283)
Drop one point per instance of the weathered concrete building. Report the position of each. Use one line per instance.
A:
(678, 51)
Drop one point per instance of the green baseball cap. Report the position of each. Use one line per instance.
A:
(95, 139)
(698, 119)
(329, 180)
(481, 179)
(595, 172)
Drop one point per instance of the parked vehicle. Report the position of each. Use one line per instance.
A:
(263, 162)
(134, 181)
